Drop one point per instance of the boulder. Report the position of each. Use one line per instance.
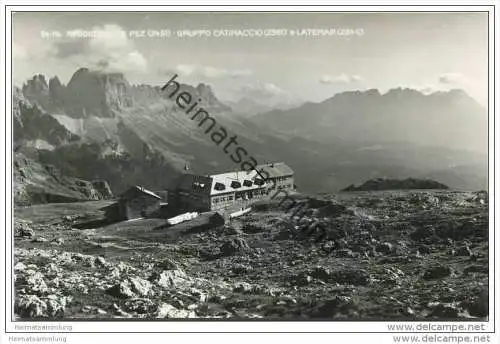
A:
(351, 276)
(436, 272)
(30, 306)
(241, 269)
(302, 279)
(32, 282)
(23, 229)
(121, 290)
(198, 294)
(332, 307)
(384, 247)
(422, 233)
(118, 311)
(140, 306)
(170, 278)
(140, 286)
(100, 261)
(424, 249)
(444, 311)
(464, 251)
(56, 305)
(39, 239)
(233, 246)
(344, 253)
(477, 305)
(168, 264)
(321, 273)
(19, 267)
(58, 241)
(168, 311)
(243, 287)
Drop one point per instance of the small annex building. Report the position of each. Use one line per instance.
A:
(138, 202)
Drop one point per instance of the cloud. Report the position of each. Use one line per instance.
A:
(209, 72)
(108, 48)
(452, 79)
(268, 94)
(65, 49)
(340, 79)
(263, 90)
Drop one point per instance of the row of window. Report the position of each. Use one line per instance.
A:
(279, 179)
(222, 199)
(236, 184)
(241, 195)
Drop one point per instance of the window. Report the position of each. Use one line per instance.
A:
(247, 183)
(235, 184)
(259, 181)
(219, 186)
(230, 198)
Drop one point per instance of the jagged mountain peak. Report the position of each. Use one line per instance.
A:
(94, 92)
(206, 93)
(54, 82)
(83, 75)
(37, 84)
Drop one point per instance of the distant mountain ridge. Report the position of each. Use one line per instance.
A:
(443, 119)
(396, 184)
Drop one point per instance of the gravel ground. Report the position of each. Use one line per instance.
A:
(405, 255)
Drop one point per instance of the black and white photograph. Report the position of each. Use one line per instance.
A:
(223, 165)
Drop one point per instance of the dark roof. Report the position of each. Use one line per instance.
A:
(276, 169)
(190, 181)
(136, 190)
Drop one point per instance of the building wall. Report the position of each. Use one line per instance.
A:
(237, 199)
(139, 206)
(191, 198)
(223, 201)
(192, 201)
(283, 183)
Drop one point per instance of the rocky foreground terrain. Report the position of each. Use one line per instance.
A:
(387, 255)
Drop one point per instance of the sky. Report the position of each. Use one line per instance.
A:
(348, 51)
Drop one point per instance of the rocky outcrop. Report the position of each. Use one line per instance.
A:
(36, 183)
(396, 184)
(98, 94)
(103, 189)
(36, 90)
